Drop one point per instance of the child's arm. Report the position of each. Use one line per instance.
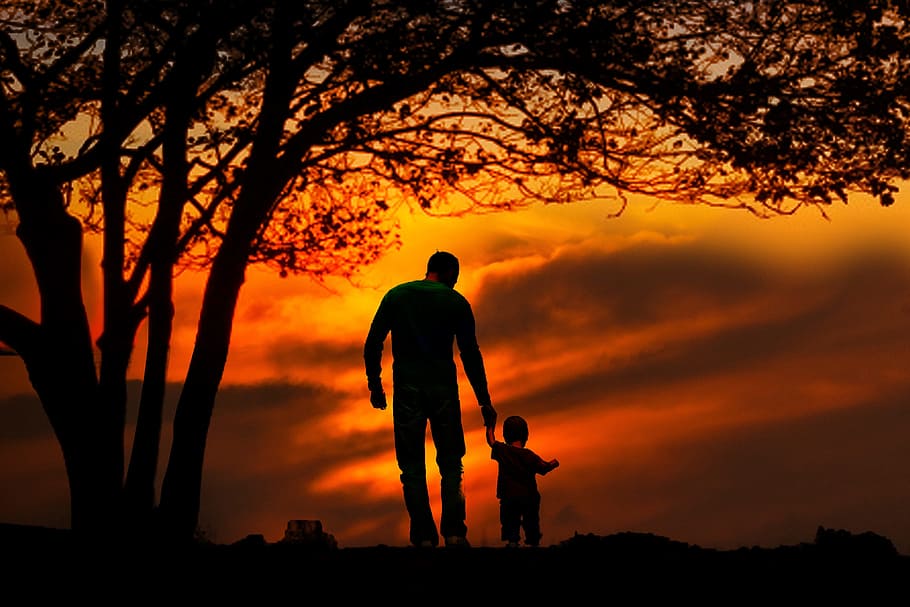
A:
(549, 466)
(491, 436)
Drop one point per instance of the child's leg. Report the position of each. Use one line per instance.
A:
(510, 520)
(530, 521)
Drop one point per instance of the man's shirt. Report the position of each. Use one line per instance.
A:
(426, 318)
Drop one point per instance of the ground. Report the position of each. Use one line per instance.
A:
(639, 568)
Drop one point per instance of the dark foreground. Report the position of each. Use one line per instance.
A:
(624, 568)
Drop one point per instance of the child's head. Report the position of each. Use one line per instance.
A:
(515, 428)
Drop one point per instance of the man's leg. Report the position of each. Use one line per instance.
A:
(410, 438)
(452, 523)
(448, 437)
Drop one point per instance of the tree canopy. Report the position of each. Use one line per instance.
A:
(214, 134)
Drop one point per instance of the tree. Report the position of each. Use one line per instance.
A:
(215, 134)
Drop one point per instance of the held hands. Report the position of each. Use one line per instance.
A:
(489, 415)
(491, 435)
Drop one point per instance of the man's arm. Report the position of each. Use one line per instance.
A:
(372, 357)
(471, 358)
(472, 361)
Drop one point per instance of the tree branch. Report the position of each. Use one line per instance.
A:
(18, 332)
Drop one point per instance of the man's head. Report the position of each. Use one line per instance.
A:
(515, 428)
(444, 266)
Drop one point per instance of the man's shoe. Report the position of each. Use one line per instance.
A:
(457, 541)
(513, 545)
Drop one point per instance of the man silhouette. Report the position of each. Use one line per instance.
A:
(426, 317)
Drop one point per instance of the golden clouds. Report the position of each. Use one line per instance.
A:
(700, 374)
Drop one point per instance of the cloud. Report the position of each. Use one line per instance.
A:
(712, 396)
(268, 448)
(725, 358)
(764, 483)
(585, 287)
(741, 384)
(264, 439)
(664, 296)
(321, 355)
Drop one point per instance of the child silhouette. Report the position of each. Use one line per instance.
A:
(516, 483)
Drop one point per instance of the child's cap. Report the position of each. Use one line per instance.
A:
(515, 428)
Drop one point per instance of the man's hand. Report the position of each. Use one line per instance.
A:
(489, 416)
(377, 399)
(377, 395)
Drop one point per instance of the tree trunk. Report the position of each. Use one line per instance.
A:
(162, 250)
(181, 488)
(62, 370)
(140, 479)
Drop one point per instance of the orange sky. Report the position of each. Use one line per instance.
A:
(700, 374)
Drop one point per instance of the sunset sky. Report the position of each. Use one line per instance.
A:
(700, 373)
